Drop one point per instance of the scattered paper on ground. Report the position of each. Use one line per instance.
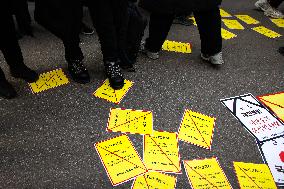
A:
(49, 80)
(161, 152)
(275, 102)
(206, 174)
(108, 93)
(233, 24)
(273, 155)
(197, 129)
(177, 46)
(130, 121)
(266, 32)
(247, 19)
(254, 117)
(278, 22)
(224, 14)
(254, 176)
(154, 180)
(120, 159)
(226, 34)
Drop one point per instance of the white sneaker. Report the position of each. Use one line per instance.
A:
(151, 55)
(268, 10)
(216, 59)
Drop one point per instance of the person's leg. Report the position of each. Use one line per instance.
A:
(103, 16)
(209, 26)
(275, 3)
(269, 7)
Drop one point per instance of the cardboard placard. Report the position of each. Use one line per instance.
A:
(266, 32)
(275, 102)
(108, 93)
(233, 24)
(161, 152)
(247, 19)
(226, 34)
(254, 117)
(197, 129)
(49, 80)
(120, 159)
(176, 46)
(130, 121)
(273, 155)
(254, 176)
(206, 174)
(154, 180)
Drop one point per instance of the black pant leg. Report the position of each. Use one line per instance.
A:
(21, 11)
(9, 43)
(275, 3)
(209, 26)
(159, 28)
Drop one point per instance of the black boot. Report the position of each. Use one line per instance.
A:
(78, 71)
(23, 72)
(114, 74)
(6, 89)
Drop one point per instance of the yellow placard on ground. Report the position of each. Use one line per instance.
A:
(120, 159)
(226, 34)
(233, 24)
(108, 93)
(254, 176)
(267, 32)
(197, 129)
(278, 22)
(275, 102)
(130, 121)
(176, 46)
(161, 152)
(194, 21)
(206, 174)
(154, 180)
(49, 80)
(224, 14)
(247, 19)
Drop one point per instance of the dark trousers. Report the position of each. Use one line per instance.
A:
(275, 3)
(21, 12)
(110, 21)
(209, 26)
(8, 42)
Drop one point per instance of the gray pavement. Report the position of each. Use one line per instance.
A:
(46, 140)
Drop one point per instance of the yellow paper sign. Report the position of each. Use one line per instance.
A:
(49, 80)
(161, 152)
(254, 176)
(130, 121)
(278, 22)
(206, 174)
(247, 19)
(233, 24)
(197, 129)
(120, 159)
(176, 46)
(275, 102)
(154, 180)
(267, 32)
(226, 34)
(193, 19)
(108, 93)
(224, 14)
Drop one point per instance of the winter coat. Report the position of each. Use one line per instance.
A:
(61, 17)
(178, 6)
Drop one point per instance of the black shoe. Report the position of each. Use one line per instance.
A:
(6, 89)
(78, 71)
(183, 20)
(281, 50)
(25, 73)
(114, 74)
(86, 30)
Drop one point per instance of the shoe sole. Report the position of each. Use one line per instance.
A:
(272, 16)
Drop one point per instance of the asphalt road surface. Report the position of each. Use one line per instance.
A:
(46, 140)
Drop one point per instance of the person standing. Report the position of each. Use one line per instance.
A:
(208, 19)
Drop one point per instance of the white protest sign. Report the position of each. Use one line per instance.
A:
(255, 117)
(273, 154)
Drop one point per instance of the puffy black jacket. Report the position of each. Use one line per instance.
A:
(178, 6)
